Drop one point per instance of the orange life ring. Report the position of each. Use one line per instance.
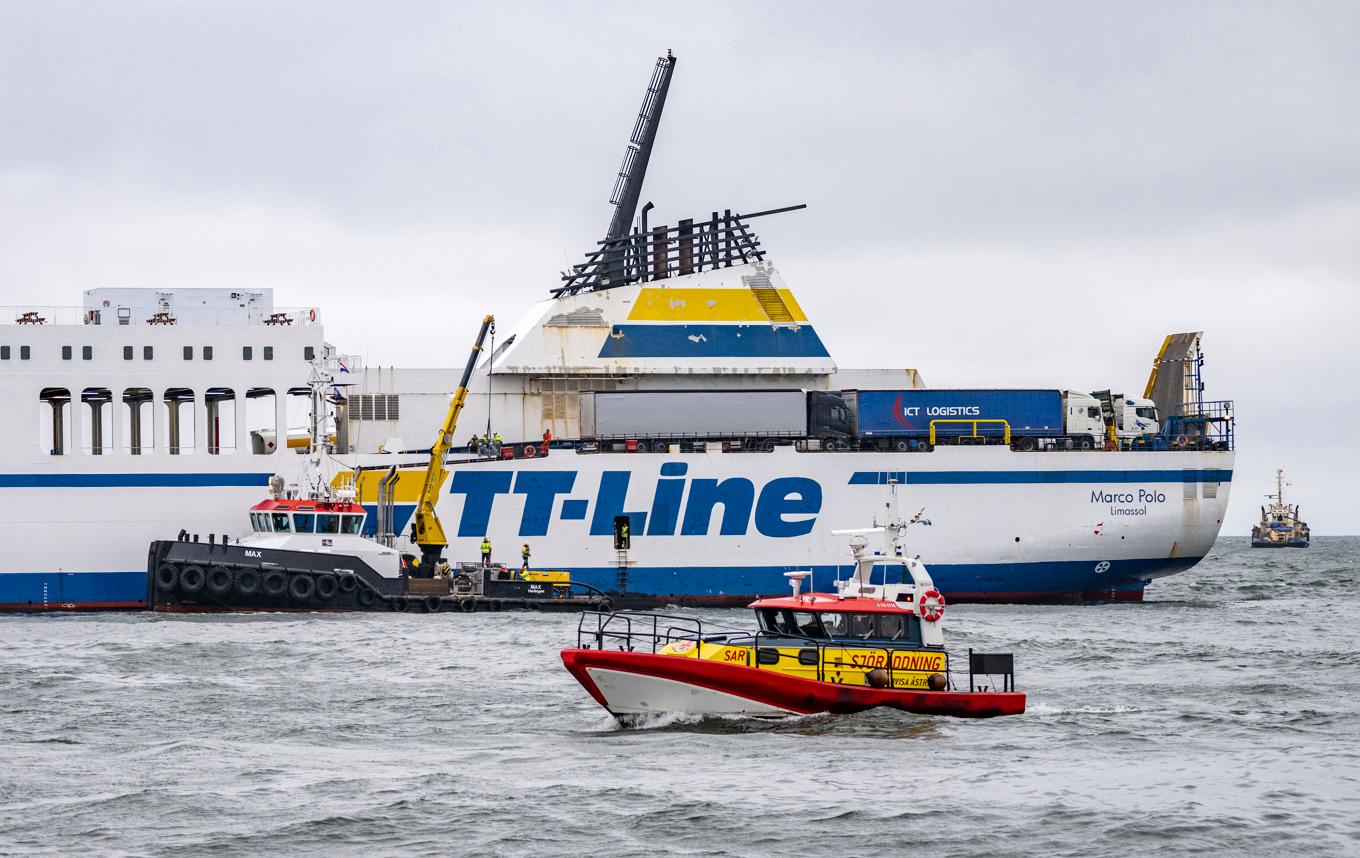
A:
(931, 606)
(530, 451)
(1182, 441)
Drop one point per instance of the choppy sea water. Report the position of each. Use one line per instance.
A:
(1220, 716)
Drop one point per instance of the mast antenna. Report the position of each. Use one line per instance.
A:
(628, 186)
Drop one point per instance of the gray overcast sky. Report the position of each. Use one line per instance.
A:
(1000, 194)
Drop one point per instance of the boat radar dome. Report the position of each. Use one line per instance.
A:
(796, 580)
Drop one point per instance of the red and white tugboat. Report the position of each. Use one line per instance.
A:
(867, 645)
(309, 550)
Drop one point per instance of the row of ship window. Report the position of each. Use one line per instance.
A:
(129, 352)
(306, 522)
(168, 421)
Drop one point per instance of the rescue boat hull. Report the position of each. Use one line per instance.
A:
(638, 683)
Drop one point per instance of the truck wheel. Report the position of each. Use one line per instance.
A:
(1087, 443)
(901, 446)
(301, 587)
(1026, 444)
(167, 576)
(829, 444)
(191, 580)
(219, 580)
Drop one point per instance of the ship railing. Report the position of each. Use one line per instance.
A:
(865, 656)
(158, 315)
(1005, 428)
(728, 442)
(634, 631)
(1204, 425)
(656, 253)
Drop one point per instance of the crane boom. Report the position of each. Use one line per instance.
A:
(429, 533)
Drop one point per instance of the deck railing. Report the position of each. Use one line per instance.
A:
(155, 315)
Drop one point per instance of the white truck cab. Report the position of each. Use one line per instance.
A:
(1135, 417)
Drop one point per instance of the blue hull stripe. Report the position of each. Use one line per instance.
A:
(106, 481)
(963, 478)
(30, 589)
(706, 341)
(1067, 577)
(1051, 579)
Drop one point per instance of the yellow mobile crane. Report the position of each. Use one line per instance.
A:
(427, 531)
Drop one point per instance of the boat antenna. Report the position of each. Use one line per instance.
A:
(628, 186)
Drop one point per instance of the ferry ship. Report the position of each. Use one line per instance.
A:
(143, 412)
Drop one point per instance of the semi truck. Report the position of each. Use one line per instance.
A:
(911, 420)
(655, 419)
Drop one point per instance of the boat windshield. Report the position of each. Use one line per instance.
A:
(328, 523)
(303, 521)
(782, 621)
(891, 627)
(280, 521)
(352, 524)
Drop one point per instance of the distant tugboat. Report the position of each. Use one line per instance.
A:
(1280, 525)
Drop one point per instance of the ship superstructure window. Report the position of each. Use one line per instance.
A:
(259, 522)
(54, 420)
(179, 421)
(188, 352)
(207, 352)
(262, 421)
(309, 353)
(328, 523)
(220, 403)
(304, 522)
(65, 352)
(87, 352)
(268, 352)
(4, 352)
(147, 352)
(374, 406)
(97, 428)
(127, 352)
(138, 414)
(24, 352)
(353, 524)
(280, 521)
(247, 352)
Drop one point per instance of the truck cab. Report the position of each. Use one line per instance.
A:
(1083, 416)
(1135, 417)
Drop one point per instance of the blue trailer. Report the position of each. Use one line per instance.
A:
(915, 419)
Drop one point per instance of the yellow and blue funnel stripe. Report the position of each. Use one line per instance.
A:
(707, 323)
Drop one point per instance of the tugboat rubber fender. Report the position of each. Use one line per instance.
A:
(605, 606)
(326, 587)
(365, 598)
(468, 605)
(348, 583)
(399, 604)
(219, 580)
(167, 577)
(301, 587)
(191, 580)
(431, 604)
(247, 582)
(275, 583)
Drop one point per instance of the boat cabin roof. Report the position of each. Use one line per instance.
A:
(273, 505)
(826, 602)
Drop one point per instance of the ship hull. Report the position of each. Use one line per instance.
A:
(708, 528)
(719, 529)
